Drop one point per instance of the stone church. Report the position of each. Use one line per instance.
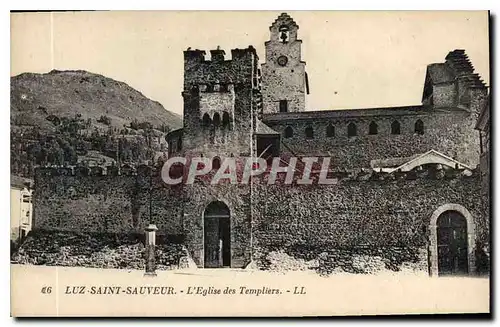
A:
(407, 190)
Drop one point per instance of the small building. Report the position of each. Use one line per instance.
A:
(21, 211)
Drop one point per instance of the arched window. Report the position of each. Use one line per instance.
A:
(309, 132)
(176, 170)
(216, 163)
(216, 119)
(419, 127)
(288, 132)
(206, 120)
(330, 130)
(373, 128)
(225, 119)
(352, 130)
(395, 127)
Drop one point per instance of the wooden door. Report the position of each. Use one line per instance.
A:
(452, 244)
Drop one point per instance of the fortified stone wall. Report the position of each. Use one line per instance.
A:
(361, 220)
(106, 203)
(97, 250)
(355, 218)
(85, 203)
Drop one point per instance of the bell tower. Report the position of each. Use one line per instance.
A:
(284, 78)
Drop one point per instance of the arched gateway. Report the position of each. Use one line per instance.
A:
(452, 241)
(217, 235)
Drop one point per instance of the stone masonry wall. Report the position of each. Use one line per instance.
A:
(96, 250)
(107, 204)
(369, 219)
(285, 82)
(450, 133)
(237, 198)
(85, 203)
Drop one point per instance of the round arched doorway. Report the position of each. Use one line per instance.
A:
(452, 244)
(217, 235)
(452, 241)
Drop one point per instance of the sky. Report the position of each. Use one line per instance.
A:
(354, 59)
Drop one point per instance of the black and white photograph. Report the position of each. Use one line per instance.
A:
(250, 163)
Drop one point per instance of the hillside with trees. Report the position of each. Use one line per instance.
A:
(67, 118)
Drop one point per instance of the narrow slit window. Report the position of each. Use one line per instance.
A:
(373, 128)
(225, 119)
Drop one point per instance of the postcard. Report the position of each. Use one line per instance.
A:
(249, 163)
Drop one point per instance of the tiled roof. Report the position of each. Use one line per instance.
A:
(263, 129)
(345, 113)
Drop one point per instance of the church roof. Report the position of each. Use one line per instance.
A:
(345, 113)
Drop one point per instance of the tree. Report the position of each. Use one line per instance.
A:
(104, 120)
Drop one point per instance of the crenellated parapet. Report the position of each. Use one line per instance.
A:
(217, 70)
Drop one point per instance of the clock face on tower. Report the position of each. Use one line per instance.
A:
(282, 60)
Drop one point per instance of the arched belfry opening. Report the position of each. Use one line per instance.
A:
(216, 120)
(217, 235)
(206, 121)
(284, 33)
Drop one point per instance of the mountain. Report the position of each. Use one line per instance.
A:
(77, 117)
(34, 97)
